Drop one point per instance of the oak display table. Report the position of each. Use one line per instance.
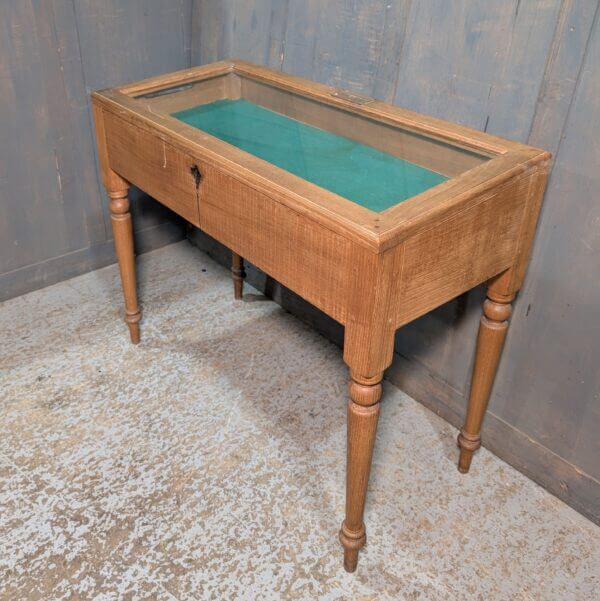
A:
(374, 214)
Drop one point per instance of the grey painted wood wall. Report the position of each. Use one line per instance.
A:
(524, 69)
(53, 211)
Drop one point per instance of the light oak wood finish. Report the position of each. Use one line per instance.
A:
(164, 170)
(237, 274)
(117, 189)
(490, 340)
(372, 272)
(363, 414)
(493, 328)
(123, 234)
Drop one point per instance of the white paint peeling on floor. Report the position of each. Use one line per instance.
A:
(208, 462)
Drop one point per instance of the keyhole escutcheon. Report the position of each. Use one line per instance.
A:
(197, 175)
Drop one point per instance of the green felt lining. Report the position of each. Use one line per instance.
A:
(367, 176)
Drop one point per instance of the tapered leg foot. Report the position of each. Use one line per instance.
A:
(134, 327)
(468, 444)
(123, 234)
(352, 543)
(363, 414)
(490, 340)
(237, 274)
(350, 560)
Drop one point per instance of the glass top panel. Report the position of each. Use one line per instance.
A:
(365, 175)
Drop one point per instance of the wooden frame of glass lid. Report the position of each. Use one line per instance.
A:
(473, 162)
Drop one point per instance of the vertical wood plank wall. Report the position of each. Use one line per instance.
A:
(53, 211)
(525, 69)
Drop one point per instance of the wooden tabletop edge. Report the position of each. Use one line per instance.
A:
(153, 84)
(396, 230)
(444, 130)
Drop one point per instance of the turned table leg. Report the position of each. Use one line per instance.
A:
(363, 413)
(237, 274)
(123, 234)
(490, 340)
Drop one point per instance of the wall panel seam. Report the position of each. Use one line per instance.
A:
(577, 81)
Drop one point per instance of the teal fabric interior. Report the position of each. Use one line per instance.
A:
(371, 178)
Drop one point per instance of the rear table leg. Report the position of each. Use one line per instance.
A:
(238, 274)
(490, 340)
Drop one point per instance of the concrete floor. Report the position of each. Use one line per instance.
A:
(208, 462)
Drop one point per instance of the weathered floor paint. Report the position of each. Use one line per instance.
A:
(206, 463)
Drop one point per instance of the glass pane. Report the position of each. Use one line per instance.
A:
(365, 175)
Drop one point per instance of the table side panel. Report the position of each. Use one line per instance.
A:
(314, 261)
(464, 250)
(153, 165)
(310, 259)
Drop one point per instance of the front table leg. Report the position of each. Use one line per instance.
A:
(490, 340)
(123, 234)
(363, 412)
